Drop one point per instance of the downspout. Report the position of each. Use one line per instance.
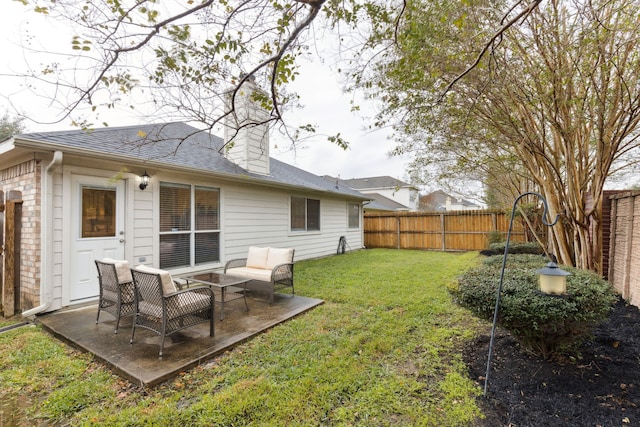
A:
(46, 237)
(362, 234)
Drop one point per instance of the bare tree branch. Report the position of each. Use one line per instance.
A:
(488, 45)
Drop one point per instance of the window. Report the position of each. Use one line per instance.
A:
(189, 225)
(305, 214)
(98, 212)
(354, 215)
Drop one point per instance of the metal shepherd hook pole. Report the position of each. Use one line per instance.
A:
(504, 262)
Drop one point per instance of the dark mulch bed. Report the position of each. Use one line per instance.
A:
(601, 388)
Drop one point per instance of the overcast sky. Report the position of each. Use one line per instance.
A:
(324, 105)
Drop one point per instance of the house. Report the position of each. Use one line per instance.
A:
(86, 196)
(441, 201)
(387, 193)
(379, 203)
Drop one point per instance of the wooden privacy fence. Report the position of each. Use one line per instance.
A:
(624, 245)
(10, 218)
(445, 231)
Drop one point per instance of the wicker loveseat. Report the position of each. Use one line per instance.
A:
(272, 267)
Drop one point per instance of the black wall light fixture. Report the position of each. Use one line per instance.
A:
(145, 180)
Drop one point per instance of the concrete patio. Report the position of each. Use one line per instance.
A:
(139, 362)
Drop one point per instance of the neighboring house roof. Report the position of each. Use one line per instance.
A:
(382, 203)
(369, 186)
(176, 145)
(374, 182)
(437, 201)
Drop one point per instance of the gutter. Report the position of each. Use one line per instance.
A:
(46, 236)
(234, 177)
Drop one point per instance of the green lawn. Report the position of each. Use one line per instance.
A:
(384, 350)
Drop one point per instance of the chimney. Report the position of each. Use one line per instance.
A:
(246, 131)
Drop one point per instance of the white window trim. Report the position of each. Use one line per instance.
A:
(359, 226)
(305, 231)
(192, 232)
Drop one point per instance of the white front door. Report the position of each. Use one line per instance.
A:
(98, 215)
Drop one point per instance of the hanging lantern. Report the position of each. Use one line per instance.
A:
(553, 280)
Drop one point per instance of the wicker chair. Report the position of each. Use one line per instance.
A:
(163, 309)
(116, 289)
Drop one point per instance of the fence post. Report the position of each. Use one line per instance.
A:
(444, 232)
(613, 240)
(12, 219)
(626, 290)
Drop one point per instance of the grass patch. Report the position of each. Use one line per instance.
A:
(383, 350)
(6, 322)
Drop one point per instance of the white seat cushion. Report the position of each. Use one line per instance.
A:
(257, 257)
(168, 287)
(109, 295)
(186, 303)
(190, 302)
(278, 256)
(151, 310)
(127, 297)
(123, 271)
(251, 273)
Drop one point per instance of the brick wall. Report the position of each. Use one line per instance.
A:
(25, 178)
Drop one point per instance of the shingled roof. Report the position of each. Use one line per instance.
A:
(375, 182)
(178, 146)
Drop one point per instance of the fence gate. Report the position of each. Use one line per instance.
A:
(10, 220)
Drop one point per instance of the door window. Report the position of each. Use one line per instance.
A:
(98, 212)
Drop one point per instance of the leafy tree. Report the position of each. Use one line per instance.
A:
(556, 102)
(185, 60)
(191, 58)
(536, 92)
(10, 126)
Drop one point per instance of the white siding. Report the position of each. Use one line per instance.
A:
(260, 217)
(144, 228)
(58, 257)
(250, 215)
(401, 195)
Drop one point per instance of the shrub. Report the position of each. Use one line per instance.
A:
(517, 248)
(544, 324)
(495, 236)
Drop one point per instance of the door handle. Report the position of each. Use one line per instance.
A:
(121, 240)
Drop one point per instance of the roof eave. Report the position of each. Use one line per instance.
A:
(46, 146)
(7, 145)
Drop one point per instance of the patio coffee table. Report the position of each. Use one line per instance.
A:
(237, 286)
